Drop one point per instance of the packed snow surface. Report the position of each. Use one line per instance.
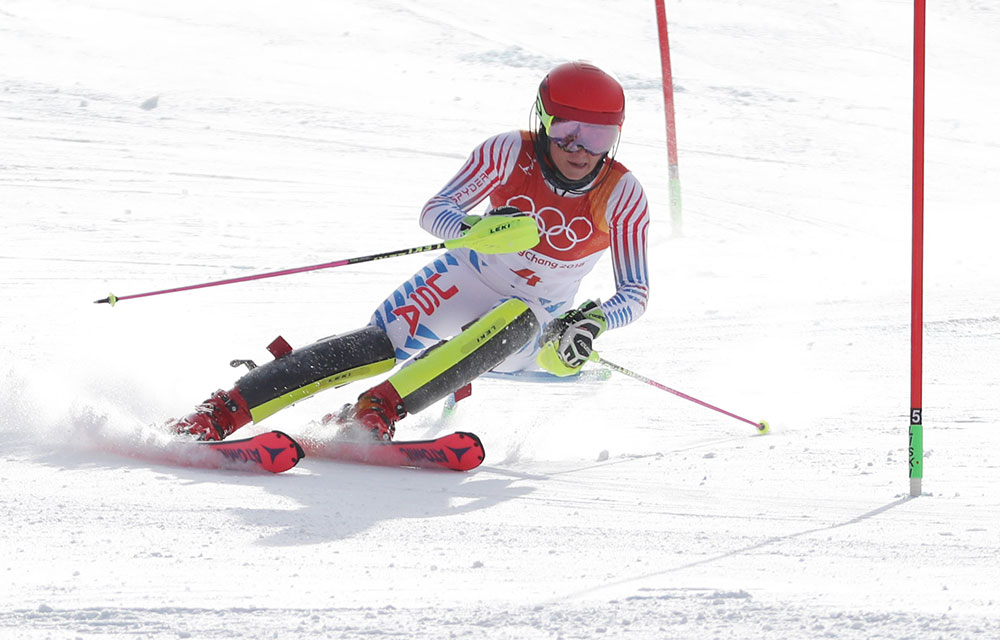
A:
(155, 145)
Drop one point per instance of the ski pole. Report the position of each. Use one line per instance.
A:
(112, 298)
(493, 235)
(762, 426)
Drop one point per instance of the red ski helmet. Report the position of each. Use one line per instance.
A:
(580, 91)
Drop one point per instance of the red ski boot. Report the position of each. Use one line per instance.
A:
(375, 414)
(217, 417)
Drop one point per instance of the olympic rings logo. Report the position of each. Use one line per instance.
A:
(552, 225)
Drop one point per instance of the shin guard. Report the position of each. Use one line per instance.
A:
(453, 364)
(330, 362)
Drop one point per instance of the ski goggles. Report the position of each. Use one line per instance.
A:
(571, 136)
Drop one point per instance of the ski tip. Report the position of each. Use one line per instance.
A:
(763, 427)
(480, 454)
(478, 451)
(293, 444)
(284, 453)
(472, 436)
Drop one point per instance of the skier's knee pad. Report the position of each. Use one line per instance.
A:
(330, 362)
(453, 364)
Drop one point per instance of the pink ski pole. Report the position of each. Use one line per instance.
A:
(762, 426)
(112, 298)
(494, 234)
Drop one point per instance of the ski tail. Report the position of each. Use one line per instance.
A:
(273, 451)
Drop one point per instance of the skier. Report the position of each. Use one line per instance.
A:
(467, 312)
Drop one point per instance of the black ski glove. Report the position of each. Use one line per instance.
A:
(568, 341)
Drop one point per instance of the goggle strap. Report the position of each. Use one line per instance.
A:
(543, 115)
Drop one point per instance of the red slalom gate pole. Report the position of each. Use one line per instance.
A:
(673, 166)
(762, 426)
(916, 447)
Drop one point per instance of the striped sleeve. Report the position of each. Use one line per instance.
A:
(489, 165)
(628, 222)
